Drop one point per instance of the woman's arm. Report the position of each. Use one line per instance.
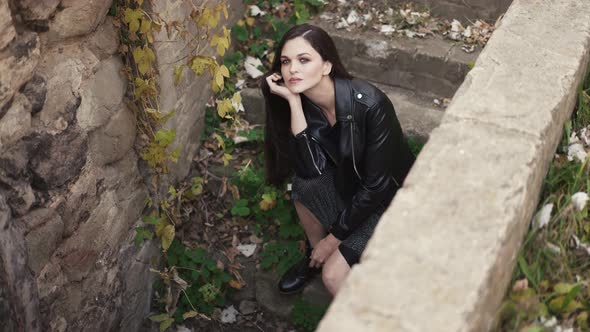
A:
(387, 160)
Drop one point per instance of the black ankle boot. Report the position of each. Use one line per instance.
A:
(298, 275)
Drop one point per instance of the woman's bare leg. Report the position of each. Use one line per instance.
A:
(335, 271)
(311, 225)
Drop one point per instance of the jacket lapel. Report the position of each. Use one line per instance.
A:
(343, 95)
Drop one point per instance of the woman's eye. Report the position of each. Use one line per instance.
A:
(303, 60)
(284, 62)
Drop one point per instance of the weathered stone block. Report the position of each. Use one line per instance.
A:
(44, 229)
(101, 95)
(34, 10)
(7, 32)
(17, 62)
(78, 17)
(16, 123)
(115, 139)
(59, 159)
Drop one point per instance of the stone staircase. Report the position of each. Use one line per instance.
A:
(412, 72)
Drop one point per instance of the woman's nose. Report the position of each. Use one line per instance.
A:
(293, 69)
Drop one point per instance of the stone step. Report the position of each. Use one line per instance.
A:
(431, 66)
(417, 114)
(462, 10)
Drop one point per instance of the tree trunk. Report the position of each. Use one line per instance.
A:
(21, 287)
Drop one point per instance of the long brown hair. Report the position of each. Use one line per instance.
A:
(278, 115)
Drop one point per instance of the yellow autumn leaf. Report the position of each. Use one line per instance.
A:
(222, 42)
(177, 74)
(202, 19)
(220, 73)
(199, 63)
(160, 228)
(250, 21)
(132, 17)
(267, 203)
(190, 314)
(226, 158)
(240, 22)
(167, 236)
(220, 142)
(214, 87)
(224, 9)
(146, 25)
(144, 87)
(235, 284)
(144, 57)
(224, 108)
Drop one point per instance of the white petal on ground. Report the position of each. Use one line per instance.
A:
(251, 64)
(467, 33)
(327, 16)
(256, 11)
(573, 138)
(550, 322)
(247, 249)
(353, 17)
(577, 151)
(342, 24)
(579, 200)
(240, 84)
(585, 135)
(229, 315)
(387, 29)
(182, 328)
(554, 248)
(543, 216)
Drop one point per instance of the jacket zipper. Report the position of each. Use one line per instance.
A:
(352, 143)
(311, 154)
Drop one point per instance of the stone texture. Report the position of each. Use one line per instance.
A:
(104, 42)
(463, 10)
(65, 68)
(101, 95)
(36, 91)
(446, 267)
(16, 123)
(35, 10)
(115, 139)
(7, 32)
(253, 102)
(59, 159)
(44, 229)
(77, 18)
(17, 62)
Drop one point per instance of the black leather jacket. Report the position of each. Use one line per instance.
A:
(372, 157)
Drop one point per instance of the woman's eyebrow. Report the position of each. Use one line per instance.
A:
(300, 54)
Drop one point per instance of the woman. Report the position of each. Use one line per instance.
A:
(342, 139)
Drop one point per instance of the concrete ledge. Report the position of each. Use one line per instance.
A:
(442, 255)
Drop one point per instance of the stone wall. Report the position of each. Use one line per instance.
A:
(68, 167)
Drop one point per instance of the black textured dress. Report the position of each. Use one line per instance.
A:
(319, 195)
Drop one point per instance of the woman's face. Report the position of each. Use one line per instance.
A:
(302, 67)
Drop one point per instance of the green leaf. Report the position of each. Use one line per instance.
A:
(165, 137)
(159, 318)
(524, 267)
(240, 33)
(166, 324)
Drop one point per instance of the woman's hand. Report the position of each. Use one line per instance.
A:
(324, 249)
(278, 89)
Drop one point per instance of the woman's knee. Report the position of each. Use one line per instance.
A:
(335, 271)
